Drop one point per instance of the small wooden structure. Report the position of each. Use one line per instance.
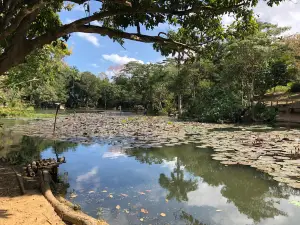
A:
(51, 165)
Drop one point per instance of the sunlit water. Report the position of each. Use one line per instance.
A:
(170, 185)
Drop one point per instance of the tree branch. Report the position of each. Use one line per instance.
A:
(9, 12)
(112, 33)
(79, 25)
(16, 53)
(17, 21)
(121, 2)
(131, 11)
(79, 2)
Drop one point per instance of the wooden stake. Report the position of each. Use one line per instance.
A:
(57, 108)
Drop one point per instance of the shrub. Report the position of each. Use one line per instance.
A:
(295, 88)
(22, 112)
(215, 104)
(263, 113)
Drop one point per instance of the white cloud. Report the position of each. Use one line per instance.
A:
(90, 38)
(96, 23)
(113, 155)
(113, 70)
(110, 74)
(114, 152)
(209, 196)
(171, 164)
(285, 14)
(87, 176)
(115, 58)
(91, 178)
(227, 20)
(95, 65)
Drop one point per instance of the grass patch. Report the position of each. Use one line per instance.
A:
(8, 112)
(282, 89)
(291, 87)
(124, 121)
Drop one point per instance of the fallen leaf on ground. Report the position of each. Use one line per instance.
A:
(218, 210)
(144, 211)
(104, 191)
(124, 195)
(91, 192)
(167, 200)
(142, 219)
(118, 207)
(111, 196)
(141, 193)
(126, 210)
(163, 214)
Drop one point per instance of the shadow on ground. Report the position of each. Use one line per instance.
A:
(4, 214)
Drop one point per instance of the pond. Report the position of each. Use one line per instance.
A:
(169, 185)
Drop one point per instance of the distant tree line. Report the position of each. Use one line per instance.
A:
(227, 81)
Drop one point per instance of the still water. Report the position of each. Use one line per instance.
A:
(170, 185)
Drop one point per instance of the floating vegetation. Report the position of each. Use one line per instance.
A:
(296, 203)
(276, 152)
(100, 213)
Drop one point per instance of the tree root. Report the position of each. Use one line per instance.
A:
(65, 212)
(20, 181)
(67, 203)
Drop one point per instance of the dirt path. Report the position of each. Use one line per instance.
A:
(17, 209)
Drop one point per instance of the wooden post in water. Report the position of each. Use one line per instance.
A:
(57, 108)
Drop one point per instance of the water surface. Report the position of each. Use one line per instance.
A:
(170, 185)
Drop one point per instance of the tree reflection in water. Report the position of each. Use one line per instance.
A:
(189, 219)
(177, 186)
(252, 192)
(29, 148)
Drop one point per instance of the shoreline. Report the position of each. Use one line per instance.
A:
(275, 151)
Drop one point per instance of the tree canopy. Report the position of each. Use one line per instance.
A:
(227, 81)
(27, 25)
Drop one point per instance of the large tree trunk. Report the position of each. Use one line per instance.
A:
(15, 55)
(21, 47)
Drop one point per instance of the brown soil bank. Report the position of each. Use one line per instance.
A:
(34, 208)
(31, 208)
(17, 209)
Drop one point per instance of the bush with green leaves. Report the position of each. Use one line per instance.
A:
(263, 113)
(216, 104)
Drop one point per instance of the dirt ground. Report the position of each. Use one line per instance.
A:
(17, 209)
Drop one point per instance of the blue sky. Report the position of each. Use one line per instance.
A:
(92, 52)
